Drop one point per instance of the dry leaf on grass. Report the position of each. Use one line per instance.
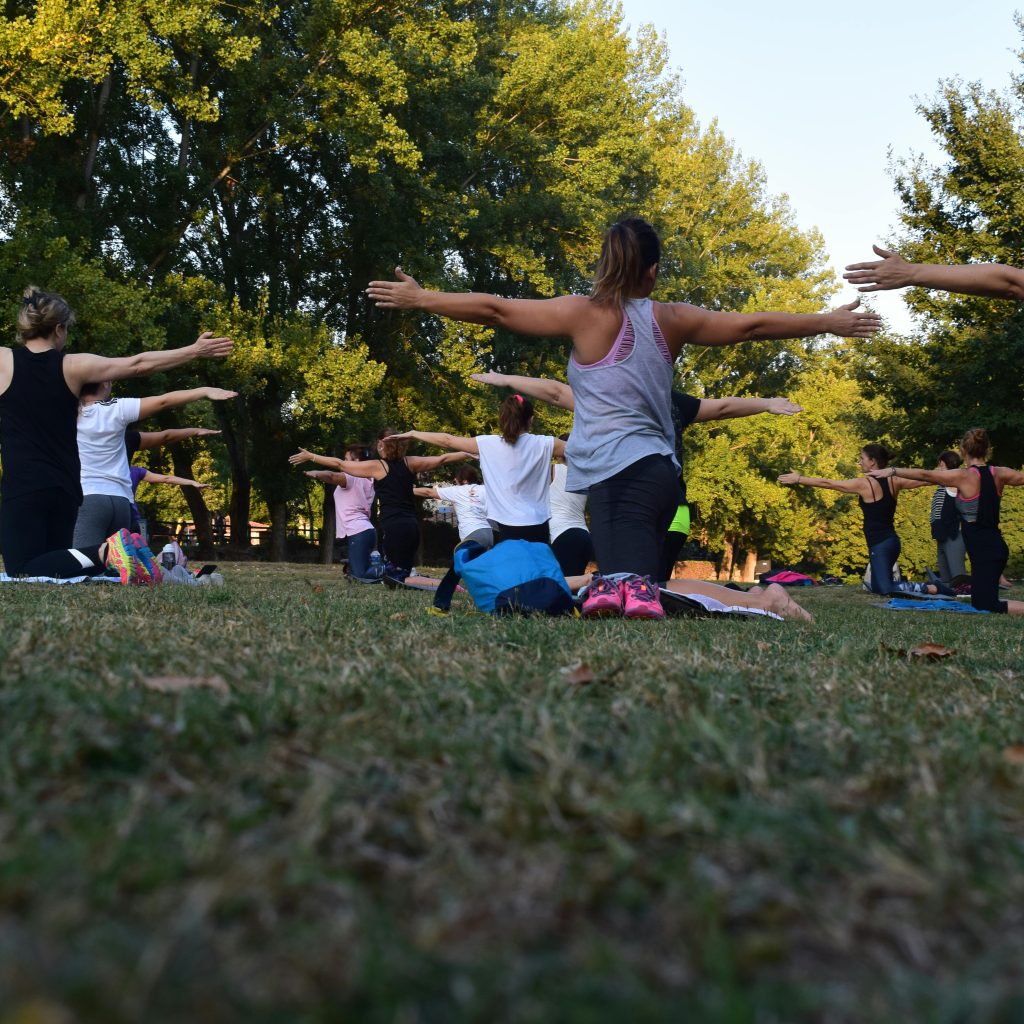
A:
(1014, 755)
(932, 652)
(175, 684)
(578, 673)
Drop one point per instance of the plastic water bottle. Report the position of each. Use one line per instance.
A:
(376, 566)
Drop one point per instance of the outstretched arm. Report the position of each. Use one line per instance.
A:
(442, 440)
(174, 399)
(166, 478)
(857, 486)
(557, 317)
(85, 368)
(683, 324)
(892, 271)
(372, 470)
(328, 476)
(1009, 477)
(425, 492)
(958, 478)
(554, 392)
(734, 408)
(156, 438)
(428, 463)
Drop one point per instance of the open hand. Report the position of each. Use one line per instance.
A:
(404, 293)
(209, 347)
(219, 395)
(783, 407)
(848, 322)
(300, 456)
(891, 271)
(490, 377)
(205, 432)
(881, 474)
(788, 478)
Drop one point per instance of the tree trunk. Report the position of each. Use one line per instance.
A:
(725, 566)
(241, 482)
(327, 534)
(278, 531)
(182, 462)
(94, 142)
(749, 567)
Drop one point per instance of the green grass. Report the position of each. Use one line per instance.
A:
(392, 817)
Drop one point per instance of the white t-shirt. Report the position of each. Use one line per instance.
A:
(470, 502)
(517, 478)
(101, 427)
(567, 507)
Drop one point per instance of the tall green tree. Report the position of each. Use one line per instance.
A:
(961, 366)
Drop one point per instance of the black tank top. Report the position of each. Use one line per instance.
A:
(983, 509)
(39, 427)
(879, 516)
(394, 492)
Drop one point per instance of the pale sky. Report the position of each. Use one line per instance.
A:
(818, 94)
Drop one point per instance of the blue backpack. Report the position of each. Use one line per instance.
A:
(514, 576)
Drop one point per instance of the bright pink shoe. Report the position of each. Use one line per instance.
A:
(640, 599)
(603, 600)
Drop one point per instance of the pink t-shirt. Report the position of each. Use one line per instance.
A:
(352, 506)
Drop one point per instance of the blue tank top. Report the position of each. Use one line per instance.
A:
(623, 403)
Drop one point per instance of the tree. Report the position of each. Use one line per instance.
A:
(961, 367)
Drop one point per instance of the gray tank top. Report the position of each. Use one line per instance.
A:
(623, 404)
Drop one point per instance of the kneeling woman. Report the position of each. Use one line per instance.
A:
(517, 467)
(877, 498)
(979, 488)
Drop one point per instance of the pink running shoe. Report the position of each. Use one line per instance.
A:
(640, 599)
(603, 599)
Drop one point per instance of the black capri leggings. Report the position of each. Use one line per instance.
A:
(538, 533)
(574, 550)
(35, 524)
(989, 555)
(401, 541)
(630, 514)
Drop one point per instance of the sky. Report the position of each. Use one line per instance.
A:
(818, 95)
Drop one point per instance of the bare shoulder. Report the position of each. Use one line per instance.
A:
(6, 368)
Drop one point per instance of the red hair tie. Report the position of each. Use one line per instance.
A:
(518, 398)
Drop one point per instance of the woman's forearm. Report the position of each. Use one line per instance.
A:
(996, 280)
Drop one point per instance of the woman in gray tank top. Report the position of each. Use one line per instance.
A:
(621, 370)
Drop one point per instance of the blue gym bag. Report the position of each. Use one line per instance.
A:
(513, 576)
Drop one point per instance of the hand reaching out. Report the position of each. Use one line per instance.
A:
(848, 322)
(788, 478)
(209, 347)
(300, 456)
(401, 294)
(891, 271)
(783, 407)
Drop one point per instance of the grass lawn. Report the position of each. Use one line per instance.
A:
(377, 815)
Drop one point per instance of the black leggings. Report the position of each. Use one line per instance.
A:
(989, 555)
(401, 541)
(674, 542)
(630, 514)
(538, 533)
(35, 524)
(574, 550)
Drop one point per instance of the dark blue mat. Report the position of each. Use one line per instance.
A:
(903, 604)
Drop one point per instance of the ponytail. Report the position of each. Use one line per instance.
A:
(514, 417)
(630, 248)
